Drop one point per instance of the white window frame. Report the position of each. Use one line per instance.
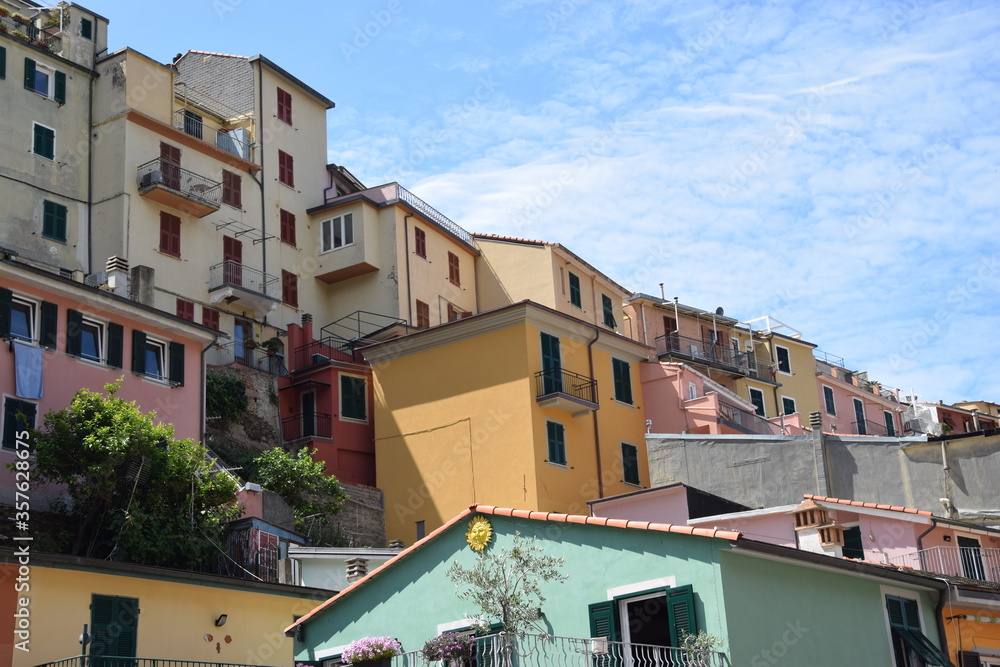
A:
(327, 242)
(55, 136)
(33, 315)
(891, 420)
(855, 402)
(794, 405)
(164, 376)
(102, 339)
(833, 400)
(340, 398)
(564, 465)
(750, 392)
(51, 73)
(692, 391)
(777, 359)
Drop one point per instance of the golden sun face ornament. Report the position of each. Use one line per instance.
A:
(479, 534)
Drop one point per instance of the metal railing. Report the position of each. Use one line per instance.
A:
(164, 173)
(236, 352)
(235, 141)
(37, 36)
(321, 351)
(969, 562)
(746, 421)
(867, 427)
(433, 215)
(297, 427)
(112, 661)
(231, 273)
(696, 349)
(549, 651)
(561, 381)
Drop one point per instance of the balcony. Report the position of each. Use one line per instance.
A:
(167, 183)
(105, 661)
(329, 348)
(47, 38)
(228, 354)
(867, 427)
(566, 390)
(968, 562)
(231, 281)
(304, 426)
(745, 421)
(685, 348)
(235, 141)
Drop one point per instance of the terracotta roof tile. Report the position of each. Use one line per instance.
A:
(858, 503)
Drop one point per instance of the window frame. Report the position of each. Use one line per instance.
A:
(33, 308)
(101, 338)
(232, 189)
(185, 309)
(170, 235)
(889, 421)
(778, 349)
(286, 168)
(762, 411)
(556, 446)
(785, 400)
(575, 293)
(284, 104)
(50, 73)
(57, 215)
(692, 391)
(621, 374)
(327, 229)
(454, 269)
(423, 320)
(286, 224)
(829, 401)
(86, 28)
(35, 125)
(860, 419)
(608, 308)
(289, 288)
(420, 242)
(210, 318)
(625, 467)
(364, 397)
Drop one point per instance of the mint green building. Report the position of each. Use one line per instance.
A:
(633, 584)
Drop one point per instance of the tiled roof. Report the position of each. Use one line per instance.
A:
(511, 239)
(534, 516)
(874, 506)
(225, 78)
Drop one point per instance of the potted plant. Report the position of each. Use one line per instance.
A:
(371, 652)
(271, 345)
(4, 11)
(19, 35)
(250, 343)
(453, 647)
(41, 44)
(20, 18)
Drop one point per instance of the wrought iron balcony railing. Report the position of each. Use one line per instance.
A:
(230, 273)
(164, 173)
(235, 141)
(304, 425)
(968, 562)
(867, 427)
(560, 381)
(330, 348)
(695, 349)
(433, 215)
(746, 421)
(237, 353)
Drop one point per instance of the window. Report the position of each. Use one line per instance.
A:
(21, 317)
(853, 544)
(423, 315)
(622, 380)
(784, 363)
(657, 617)
(859, 417)
(574, 290)
(692, 391)
(232, 189)
(185, 309)
(353, 397)
(150, 358)
(910, 647)
(287, 227)
(286, 169)
(170, 234)
(284, 106)
(114, 626)
(454, 272)
(630, 464)
(454, 313)
(556, 438)
(3, 63)
(420, 242)
(890, 424)
(193, 125)
(608, 306)
(336, 232)
(831, 406)
(552, 377)
(210, 318)
(18, 416)
(788, 405)
(40, 78)
(86, 29)
(757, 398)
(54, 221)
(44, 142)
(290, 288)
(84, 336)
(421, 530)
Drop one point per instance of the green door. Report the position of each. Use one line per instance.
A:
(114, 622)
(551, 365)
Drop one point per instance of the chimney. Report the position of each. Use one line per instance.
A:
(307, 328)
(356, 569)
(118, 275)
(143, 281)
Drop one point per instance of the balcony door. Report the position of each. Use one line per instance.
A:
(859, 417)
(551, 365)
(242, 332)
(170, 165)
(972, 558)
(672, 338)
(308, 414)
(232, 255)
(114, 630)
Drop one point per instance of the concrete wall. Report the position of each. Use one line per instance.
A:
(761, 472)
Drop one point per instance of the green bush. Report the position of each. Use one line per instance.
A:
(225, 396)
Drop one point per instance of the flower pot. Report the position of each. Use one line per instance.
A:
(377, 662)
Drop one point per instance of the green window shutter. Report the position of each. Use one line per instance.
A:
(53, 214)
(352, 397)
(86, 29)
(60, 91)
(17, 416)
(49, 325)
(911, 614)
(894, 606)
(44, 144)
(623, 380)
(556, 438)
(138, 351)
(551, 365)
(116, 344)
(680, 609)
(630, 463)
(3, 63)
(114, 621)
(176, 363)
(6, 297)
(604, 620)
(575, 297)
(29, 73)
(609, 311)
(74, 323)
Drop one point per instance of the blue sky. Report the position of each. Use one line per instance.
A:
(832, 165)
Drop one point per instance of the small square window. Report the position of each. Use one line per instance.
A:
(788, 405)
(54, 221)
(337, 232)
(420, 242)
(44, 142)
(556, 437)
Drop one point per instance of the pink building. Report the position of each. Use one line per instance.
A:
(62, 335)
(853, 405)
(940, 419)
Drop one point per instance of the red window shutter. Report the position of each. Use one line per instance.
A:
(420, 242)
(284, 106)
(286, 168)
(210, 318)
(454, 275)
(287, 227)
(423, 315)
(289, 288)
(185, 309)
(170, 234)
(232, 189)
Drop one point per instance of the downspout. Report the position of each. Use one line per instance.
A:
(939, 617)
(946, 473)
(406, 249)
(204, 377)
(597, 432)
(260, 135)
(90, 156)
(645, 334)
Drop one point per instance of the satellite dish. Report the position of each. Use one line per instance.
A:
(719, 311)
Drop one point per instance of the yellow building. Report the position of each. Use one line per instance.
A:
(793, 370)
(146, 612)
(522, 406)
(549, 274)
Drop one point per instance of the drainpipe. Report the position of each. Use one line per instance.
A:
(204, 376)
(597, 432)
(406, 249)
(946, 473)
(260, 136)
(90, 154)
(939, 617)
(645, 333)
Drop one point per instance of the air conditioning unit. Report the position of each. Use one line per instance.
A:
(151, 178)
(913, 425)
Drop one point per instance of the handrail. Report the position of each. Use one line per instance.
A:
(560, 381)
(168, 174)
